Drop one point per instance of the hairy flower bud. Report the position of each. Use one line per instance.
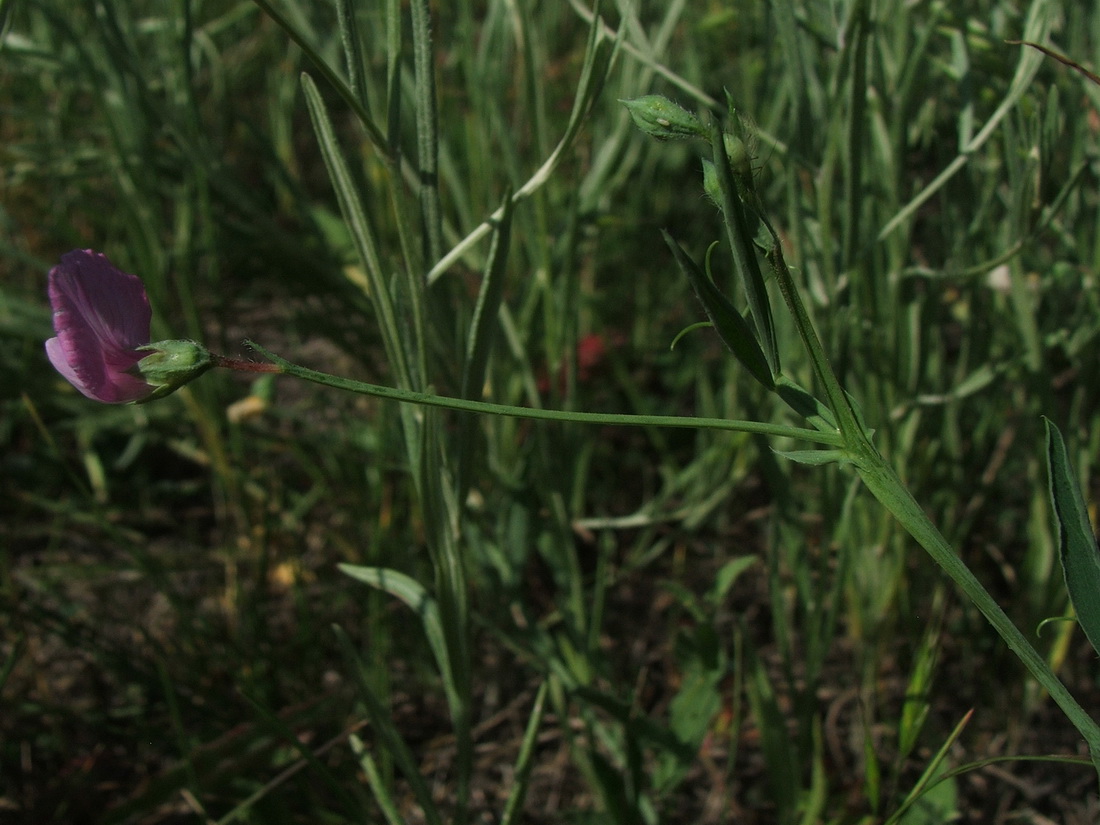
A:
(659, 117)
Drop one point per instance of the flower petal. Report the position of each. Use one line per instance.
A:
(56, 353)
(111, 302)
(101, 315)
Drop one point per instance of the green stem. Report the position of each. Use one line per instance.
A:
(884, 484)
(487, 408)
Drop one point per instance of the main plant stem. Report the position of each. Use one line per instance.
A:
(884, 485)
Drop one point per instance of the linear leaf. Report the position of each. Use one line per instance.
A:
(479, 342)
(1080, 556)
(741, 239)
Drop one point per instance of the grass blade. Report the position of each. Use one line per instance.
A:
(597, 64)
(282, 730)
(386, 731)
(353, 51)
(416, 597)
(427, 131)
(329, 74)
(525, 760)
(932, 774)
(779, 750)
(482, 328)
(355, 216)
(377, 784)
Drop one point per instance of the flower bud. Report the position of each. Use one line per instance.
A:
(659, 117)
(738, 153)
(170, 365)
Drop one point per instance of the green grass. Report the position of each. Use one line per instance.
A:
(710, 632)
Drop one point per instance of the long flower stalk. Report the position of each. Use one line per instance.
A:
(536, 414)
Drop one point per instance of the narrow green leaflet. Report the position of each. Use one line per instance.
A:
(1080, 556)
(734, 330)
(814, 458)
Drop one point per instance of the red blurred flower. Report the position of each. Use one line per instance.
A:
(591, 351)
(590, 354)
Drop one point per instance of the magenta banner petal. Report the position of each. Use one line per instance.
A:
(101, 315)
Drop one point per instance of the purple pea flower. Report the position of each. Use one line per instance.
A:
(101, 316)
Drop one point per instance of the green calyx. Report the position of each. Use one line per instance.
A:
(170, 365)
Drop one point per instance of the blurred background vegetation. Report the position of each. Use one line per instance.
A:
(725, 636)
